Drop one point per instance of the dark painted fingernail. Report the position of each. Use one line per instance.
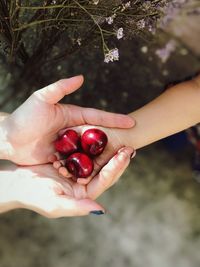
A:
(97, 212)
(133, 154)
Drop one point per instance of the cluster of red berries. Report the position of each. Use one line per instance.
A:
(79, 151)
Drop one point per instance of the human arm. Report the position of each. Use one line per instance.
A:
(175, 110)
(3, 115)
(41, 189)
(27, 135)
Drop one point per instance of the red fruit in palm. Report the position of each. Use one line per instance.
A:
(93, 142)
(67, 143)
(80, 165)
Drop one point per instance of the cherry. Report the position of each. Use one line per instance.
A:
(80, 165)
(67, 143)
(93, 141)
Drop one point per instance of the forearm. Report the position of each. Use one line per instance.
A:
(5, 147)
(176, 109)
(3, 115)
(8, 199)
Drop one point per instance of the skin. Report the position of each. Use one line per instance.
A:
(27, 135)
(175, 110)
(26, 138)
(57, 197)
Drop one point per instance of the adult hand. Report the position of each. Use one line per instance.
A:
(41, 189)
(29, 131)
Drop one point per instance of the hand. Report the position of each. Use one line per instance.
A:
(116, 141)
(41, 189)
(32, 128)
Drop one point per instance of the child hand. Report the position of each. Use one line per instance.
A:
(115, 142)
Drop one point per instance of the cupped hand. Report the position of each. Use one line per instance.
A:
(116, 141)
(32, 128)
(41, 189)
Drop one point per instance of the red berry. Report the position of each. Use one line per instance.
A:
(93, 142)
(68, 143)
(80, 165)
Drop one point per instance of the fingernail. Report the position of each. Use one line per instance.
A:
(127, 151)
(97, 212)
(121, 150)
(133, 154)
(79, 75)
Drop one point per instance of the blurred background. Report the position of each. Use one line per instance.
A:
(153, 214)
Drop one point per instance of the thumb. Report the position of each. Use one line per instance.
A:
(110, 173)
(76, 207)
(56, 91)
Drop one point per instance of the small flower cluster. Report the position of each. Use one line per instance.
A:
(165, 52)
(52, 23)
(112, 55)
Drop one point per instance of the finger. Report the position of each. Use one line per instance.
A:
(110, 173)
(73, 207)
(52, 158)
(99, 163)
(57, 155)
(57, 164)
(64, 172)
(84, 181)
(81, 116)
(56, 91)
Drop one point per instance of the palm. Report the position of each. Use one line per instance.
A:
(45, 192)
(45, 178)
(34, 144)
(33, 127)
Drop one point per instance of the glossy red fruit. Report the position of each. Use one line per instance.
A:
(93, 142)
(80, 165)
(68, 143)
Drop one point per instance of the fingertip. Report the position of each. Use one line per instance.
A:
(57, 165)
(125, 154)
(89, 207)
(97, 212)
(52, 158)
(63, 171)
(133, 154)
(77, 207)
(57, 155)
(79, 78)
(129, 121)
(124, 121)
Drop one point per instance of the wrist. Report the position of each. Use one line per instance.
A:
(5, 146)
(8, 193)
(125, 137)
(131, 138)
(196, 82)
(3, 116)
